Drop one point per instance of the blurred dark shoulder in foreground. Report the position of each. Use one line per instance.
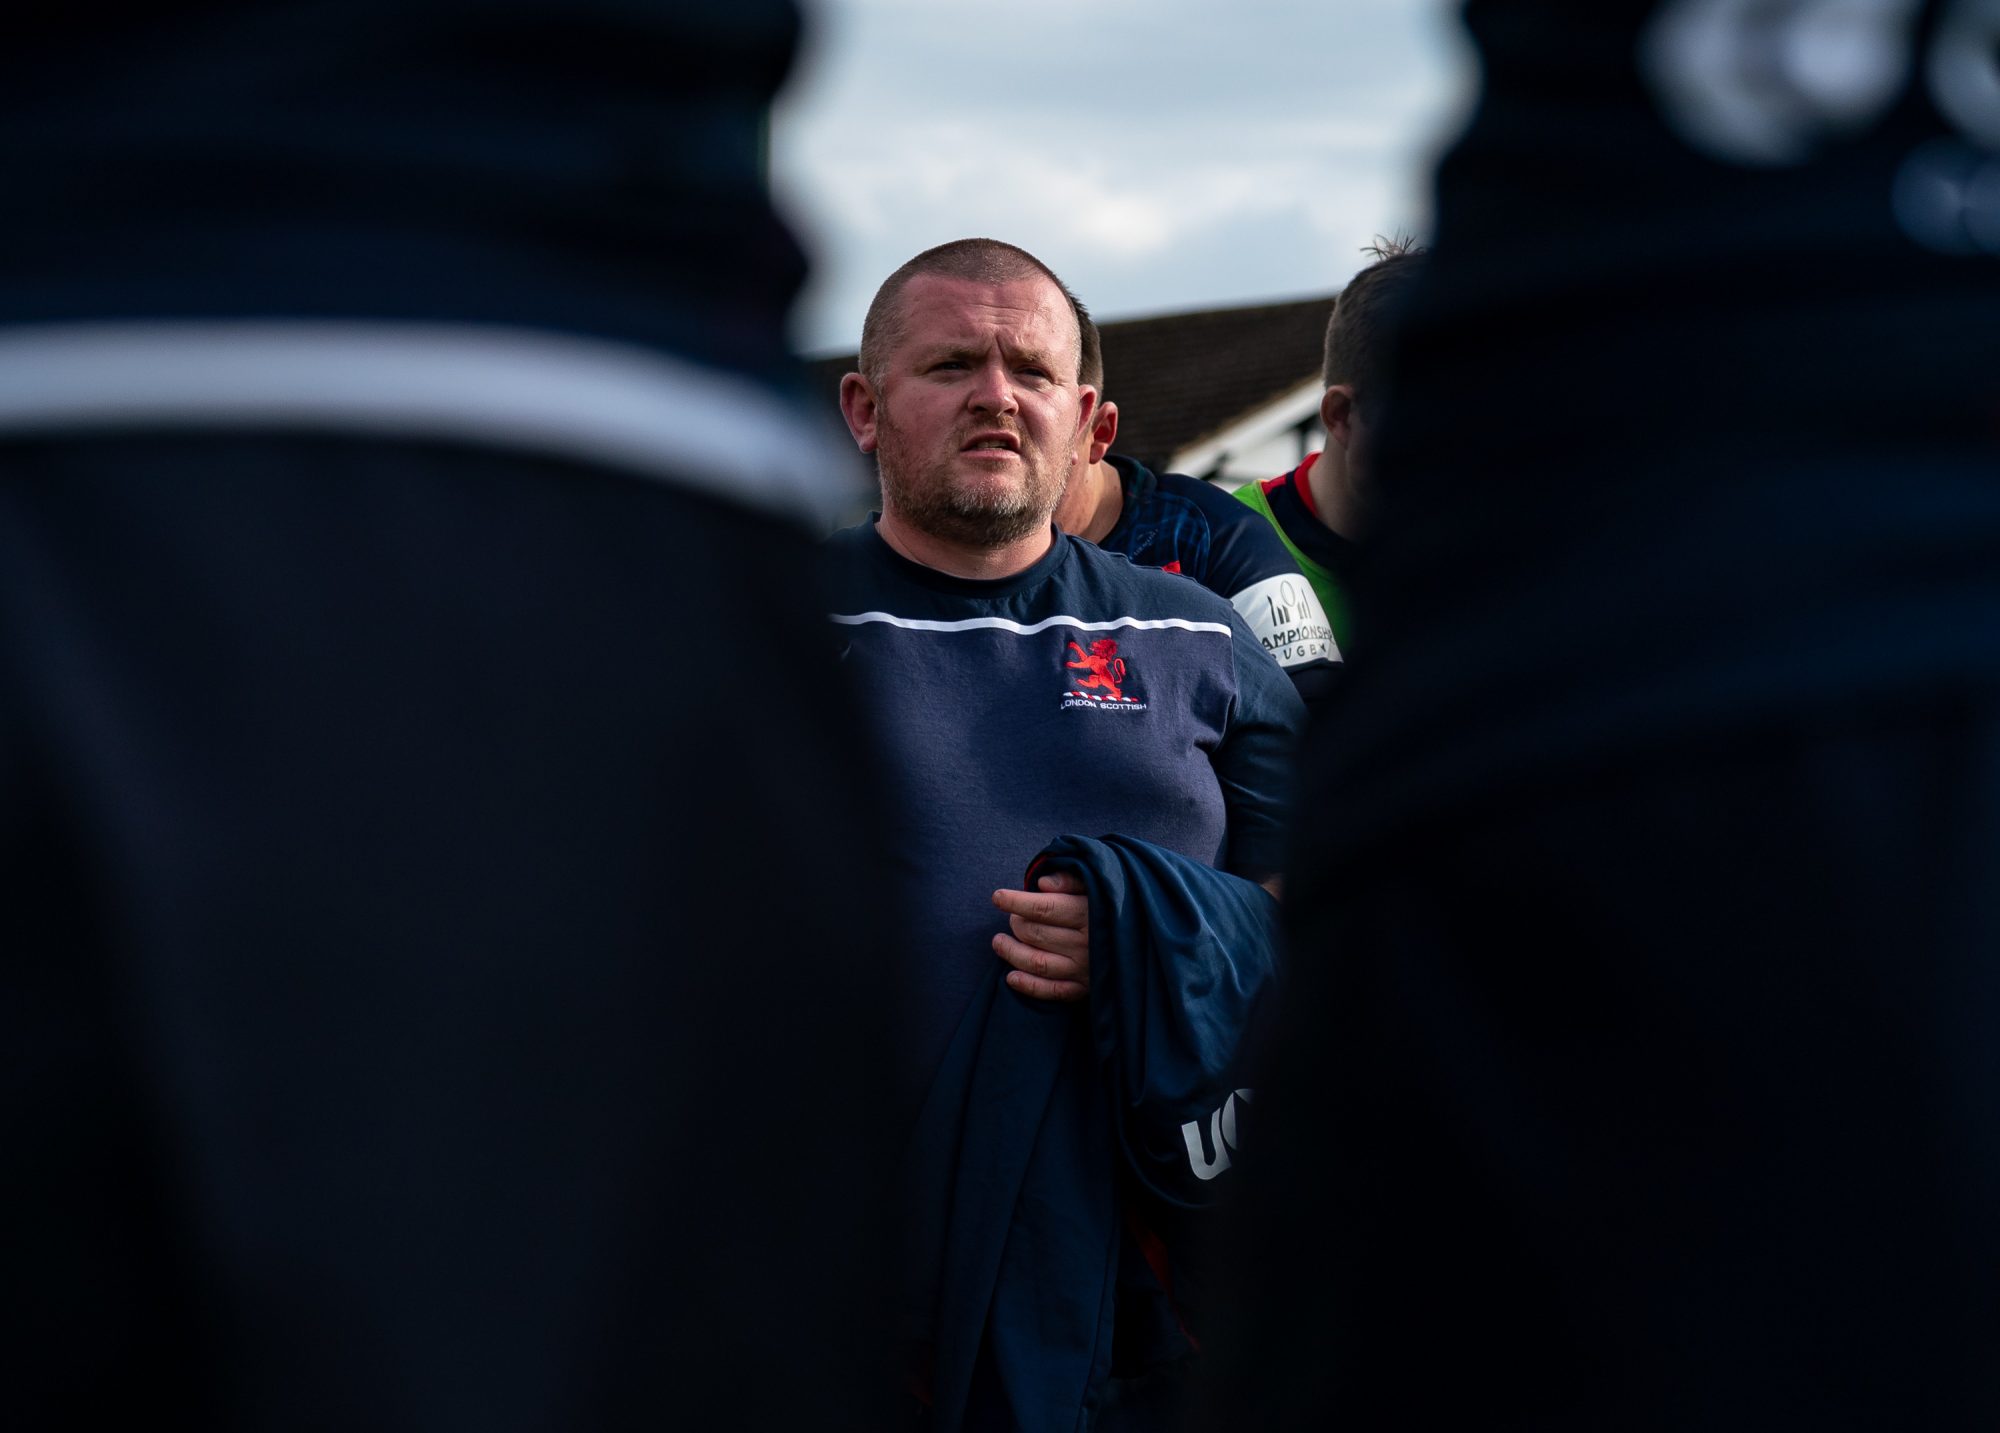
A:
(588, 167)
(1642, 1069)
(426, 941)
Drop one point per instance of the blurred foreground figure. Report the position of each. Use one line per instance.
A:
(1647, 933)
(426, 954)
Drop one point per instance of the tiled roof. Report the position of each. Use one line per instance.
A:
(1180, 378)
(1184, 377)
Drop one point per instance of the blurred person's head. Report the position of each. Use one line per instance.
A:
(969, 393)
(1354, 361)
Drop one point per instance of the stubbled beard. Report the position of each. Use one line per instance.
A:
(967, 519)
(935, 505)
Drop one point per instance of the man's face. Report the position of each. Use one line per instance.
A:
(975, 422)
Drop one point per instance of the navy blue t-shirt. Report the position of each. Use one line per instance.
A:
(1083, 696)
(1194, 528)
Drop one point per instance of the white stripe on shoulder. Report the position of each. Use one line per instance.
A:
(609, 404)
(1028, 629)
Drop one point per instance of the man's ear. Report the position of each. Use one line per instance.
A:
(859, 408)
(1086, 408)
(1103, 431)
(1336, 413)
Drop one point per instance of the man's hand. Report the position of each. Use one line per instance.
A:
(1050, 944)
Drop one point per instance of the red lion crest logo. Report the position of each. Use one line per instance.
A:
(1106, 667)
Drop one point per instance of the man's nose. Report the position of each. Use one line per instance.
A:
(993, 389)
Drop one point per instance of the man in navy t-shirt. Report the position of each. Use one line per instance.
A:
(1023, 682)
(1184, 525)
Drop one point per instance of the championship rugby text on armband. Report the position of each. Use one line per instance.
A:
(1298, 644)
(1286, 618)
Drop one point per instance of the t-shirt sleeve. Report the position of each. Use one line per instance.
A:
(1249, 564)
(1256, 761)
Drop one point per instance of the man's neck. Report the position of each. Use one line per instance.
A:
(1107, 501)
(959, 560)
(1331, 485)
(1092, 502)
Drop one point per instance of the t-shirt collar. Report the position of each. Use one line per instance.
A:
(937, 581)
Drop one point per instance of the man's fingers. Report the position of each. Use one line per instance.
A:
(1031, 960)
(1061, 939)
(1046, 907)
(1039, 989)
(1048, 939)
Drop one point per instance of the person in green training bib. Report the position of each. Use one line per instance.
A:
(1320, 508)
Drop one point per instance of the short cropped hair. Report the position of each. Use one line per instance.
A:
(1357, 335)
(986, 261)
(1090, 366)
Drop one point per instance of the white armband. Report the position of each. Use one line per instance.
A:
(1285, 614)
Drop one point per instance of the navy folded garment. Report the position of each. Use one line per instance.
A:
(1015, 1178)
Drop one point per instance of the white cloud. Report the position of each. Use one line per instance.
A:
(1160, 155)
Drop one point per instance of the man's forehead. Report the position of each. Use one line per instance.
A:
(937, 307)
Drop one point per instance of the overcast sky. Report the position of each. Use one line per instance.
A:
(1159, 154)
